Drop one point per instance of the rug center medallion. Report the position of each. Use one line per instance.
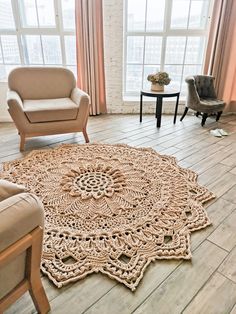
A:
(95, 182)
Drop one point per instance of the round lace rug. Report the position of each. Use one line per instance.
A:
(111, 209)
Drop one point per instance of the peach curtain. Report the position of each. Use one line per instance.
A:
(220, 58)
(90, 52)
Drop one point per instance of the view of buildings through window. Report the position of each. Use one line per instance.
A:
(37, 32)
(166, 35)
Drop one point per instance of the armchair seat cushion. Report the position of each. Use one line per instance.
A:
(49, 110)
(209, 105)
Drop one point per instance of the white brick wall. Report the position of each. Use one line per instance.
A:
(113, 15)
(113, 46)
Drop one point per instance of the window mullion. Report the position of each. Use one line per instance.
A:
(144, 42)
(125, 6)
(37, 12)
(3, 59)
(39, 32)
(59, 24)
(168, 12)
(15, 10)
(166, 28)
(41, 46)
(185, 48)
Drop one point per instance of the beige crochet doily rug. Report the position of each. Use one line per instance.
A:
(111, 209)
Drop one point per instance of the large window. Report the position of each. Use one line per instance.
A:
(166, 35)
(36, 32)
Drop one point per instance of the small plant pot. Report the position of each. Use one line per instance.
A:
(157, 87)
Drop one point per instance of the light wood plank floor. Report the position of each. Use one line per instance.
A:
(207, 284)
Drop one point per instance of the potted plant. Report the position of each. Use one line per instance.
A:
(158, 81)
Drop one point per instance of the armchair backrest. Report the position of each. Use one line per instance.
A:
(205, 86)
(41, 82)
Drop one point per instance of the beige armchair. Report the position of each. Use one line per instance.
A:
(21, 235)
(46, 101)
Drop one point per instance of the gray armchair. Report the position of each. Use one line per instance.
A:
(202, 97)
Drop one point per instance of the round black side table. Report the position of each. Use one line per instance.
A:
(159, 97)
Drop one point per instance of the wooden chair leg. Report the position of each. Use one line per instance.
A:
(39, 297)
(33, 273)
(184, 114)
(85, 135)
(218, 115)
(22, 142)
(32, 245)
(204, 117)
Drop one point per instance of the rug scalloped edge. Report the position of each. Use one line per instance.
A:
(116, 278)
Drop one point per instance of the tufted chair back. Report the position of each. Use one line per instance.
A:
(205, 86)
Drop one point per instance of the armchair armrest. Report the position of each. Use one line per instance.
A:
(189, 80)
(8, 189)
(19, 215)
(13, 99)
(80, 97)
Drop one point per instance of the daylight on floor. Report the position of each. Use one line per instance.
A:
(117, 156)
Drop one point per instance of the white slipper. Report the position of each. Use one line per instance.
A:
(215, 133)
(223, 132)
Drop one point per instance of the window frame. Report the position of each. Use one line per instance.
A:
(21, 30)
(164, 34)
